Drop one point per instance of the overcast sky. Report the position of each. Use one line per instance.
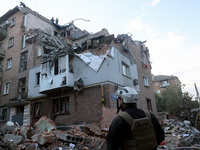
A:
(171, 28)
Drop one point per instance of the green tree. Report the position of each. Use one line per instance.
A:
(160, 103)
(173, 100)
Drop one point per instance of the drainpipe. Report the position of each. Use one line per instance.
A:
(102, 93)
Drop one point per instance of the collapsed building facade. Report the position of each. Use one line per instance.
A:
(67, 74)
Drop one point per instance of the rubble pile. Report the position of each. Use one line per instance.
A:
(180, 134)
(45, 136)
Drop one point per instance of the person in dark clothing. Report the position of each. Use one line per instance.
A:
(120, 130)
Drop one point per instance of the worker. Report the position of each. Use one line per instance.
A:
(120, 132)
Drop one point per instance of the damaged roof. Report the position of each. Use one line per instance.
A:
(163, 77)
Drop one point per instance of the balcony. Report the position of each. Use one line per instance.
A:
(2, 53)
(3, 33)
(53, 79)
(163, 85)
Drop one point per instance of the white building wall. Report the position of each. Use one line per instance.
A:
(33, 21)
(110, 71)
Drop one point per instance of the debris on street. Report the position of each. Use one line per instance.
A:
(46, 136)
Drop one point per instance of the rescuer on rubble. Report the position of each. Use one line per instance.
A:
(123, 135)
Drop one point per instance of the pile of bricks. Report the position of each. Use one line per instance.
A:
(46, 136)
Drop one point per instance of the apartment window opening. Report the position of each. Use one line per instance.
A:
(23, 65)
(149, 105)
(12, 21)
(11, 42)
(9, 63)
(38, 109)
(125, 69)
(61, 105)
(22, 88)
(38, 78)
(3, 114)
(146, 82)
(143, 60)
(6, 88)
(56, 67)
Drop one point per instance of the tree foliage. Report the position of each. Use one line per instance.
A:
(173, 100)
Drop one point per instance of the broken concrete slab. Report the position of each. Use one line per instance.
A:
(44, 124)
(10, 138)
(44, 138)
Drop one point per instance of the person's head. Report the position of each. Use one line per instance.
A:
(126, 96)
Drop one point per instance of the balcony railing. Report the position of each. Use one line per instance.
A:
(3, 33)
(164, 85)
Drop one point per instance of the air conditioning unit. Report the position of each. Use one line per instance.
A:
(135, 82)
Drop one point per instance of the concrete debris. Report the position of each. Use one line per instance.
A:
(44, 124)
(180, 134)
(45, 136)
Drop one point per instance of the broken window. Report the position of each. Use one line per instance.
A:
(143, 60)
(61, 105)
(38, 109)
(125, 69)
(22, 88)
(12, 21)
(56, 67)
(9, 63)
(158, 91)
(164, 83)
(146, 82)
(40, 50)
(71, 64)
(55, 33)
(157, 83)
(37, 78)
(3, 114)
(20, 110)
(62, 64)
(149, 105)
(11, 42)
(23, 65)
(6, 88)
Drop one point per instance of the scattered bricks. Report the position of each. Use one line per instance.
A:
(44, 138)
(25, 131)
(33, 146)
(93, 130)
(44, 124)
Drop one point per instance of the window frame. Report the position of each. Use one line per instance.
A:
(23, 61)
(143, 60)
(22, 88)
(12, 21)
(149, 104)
(38, 109)
(37, 78)
(61, 105)
(126, 69)
(3, 117)
(9, 63)
(11, 42)
(146, 81)
(6, 88)
(158, 91)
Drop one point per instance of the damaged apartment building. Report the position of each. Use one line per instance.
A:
(65, 73)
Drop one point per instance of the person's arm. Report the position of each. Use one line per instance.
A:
(114, 137)
(160, 134)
